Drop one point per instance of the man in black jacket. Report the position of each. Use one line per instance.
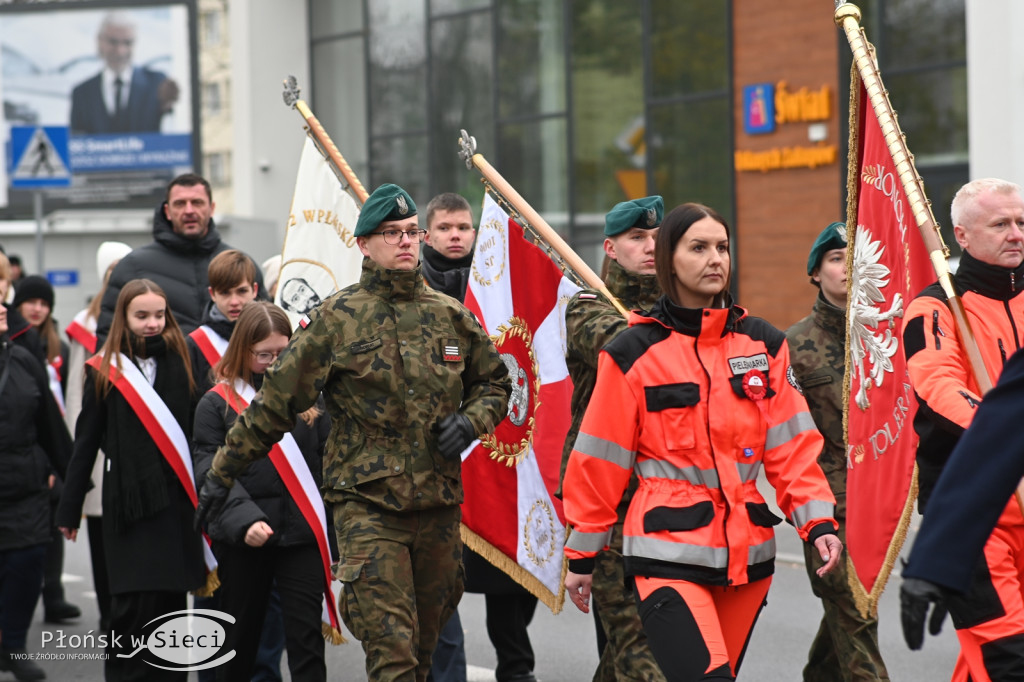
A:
(185, 239)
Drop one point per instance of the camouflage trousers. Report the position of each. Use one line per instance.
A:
(626, 656)
(846, 646)
(401, 575)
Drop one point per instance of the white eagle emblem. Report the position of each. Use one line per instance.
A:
(871, 351)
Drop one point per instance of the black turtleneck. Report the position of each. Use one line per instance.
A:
(990, 281)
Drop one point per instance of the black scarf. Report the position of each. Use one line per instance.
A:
(447, 275)
(139, 475)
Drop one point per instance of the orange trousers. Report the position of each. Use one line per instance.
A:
(698, 632)
(989, 617)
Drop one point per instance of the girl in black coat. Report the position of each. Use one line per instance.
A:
(153, 555)
(260, 537)
(33, 441)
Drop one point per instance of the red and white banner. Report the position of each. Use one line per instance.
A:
(320, 255)
(510, 514)
(889, 266)
(291, 466)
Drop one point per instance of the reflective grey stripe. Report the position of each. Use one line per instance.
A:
(748, 472)
(698, 555)
(815, 509)
(604, 449)
(757, 554)
(653, 468)
(676, 552)
(588, 542)
(781, 434)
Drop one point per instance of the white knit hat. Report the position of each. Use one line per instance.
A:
(107, 253)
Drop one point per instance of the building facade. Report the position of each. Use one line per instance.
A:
(584, 103)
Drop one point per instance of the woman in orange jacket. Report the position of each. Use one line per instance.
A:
(697, 398)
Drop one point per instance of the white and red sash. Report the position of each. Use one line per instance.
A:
(53, 376)
(294, 472)
(161, 425)
(211, 344)
(83, 330)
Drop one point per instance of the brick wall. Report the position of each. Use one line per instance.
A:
(780, 212)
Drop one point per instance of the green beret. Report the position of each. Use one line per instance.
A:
(644, 213)
(832, 237)
(388, 202)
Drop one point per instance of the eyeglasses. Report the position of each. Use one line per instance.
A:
(265, 356)
(395, 236)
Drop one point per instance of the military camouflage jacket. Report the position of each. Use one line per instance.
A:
(591, 321)
(817, 356)
(392, 358)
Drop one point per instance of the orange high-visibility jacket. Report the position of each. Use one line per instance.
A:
(939, 372)
(697, 402)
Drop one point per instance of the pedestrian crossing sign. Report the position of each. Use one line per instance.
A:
(39, 157)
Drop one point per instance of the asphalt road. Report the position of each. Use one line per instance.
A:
(564, 644)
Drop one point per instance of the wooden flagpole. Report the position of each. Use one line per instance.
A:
(349, 182)
(467, 151)
(847, 17)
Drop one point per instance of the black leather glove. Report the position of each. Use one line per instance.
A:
(456, 434)
(211, 499)
(916, 595)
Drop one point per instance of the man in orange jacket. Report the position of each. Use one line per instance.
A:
(988, 218)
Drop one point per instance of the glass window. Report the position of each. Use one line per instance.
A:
(462, 98)
(218, 168)
(398, 66)
(690, 143)
(335, 17)
(609, 156)
(403, 161)
(534, 161)
(338, 99)
(448, 6)
(211, 23)
(211, 98)
(923, 33)
(932, 109)
(689, 47)
(531, 58)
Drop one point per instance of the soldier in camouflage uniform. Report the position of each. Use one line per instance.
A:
(591, 322)
(846, 646)
(410, 379)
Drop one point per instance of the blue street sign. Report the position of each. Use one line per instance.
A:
(62, 278)
(39, 157)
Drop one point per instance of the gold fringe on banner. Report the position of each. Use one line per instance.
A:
(331, 634)
(507, 565)
(212, 583)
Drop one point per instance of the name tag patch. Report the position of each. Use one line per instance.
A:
(742, 365)
(364, 346)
